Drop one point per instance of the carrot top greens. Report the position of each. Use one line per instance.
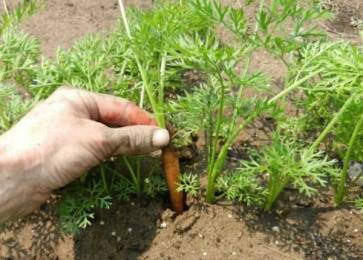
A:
(172, 60)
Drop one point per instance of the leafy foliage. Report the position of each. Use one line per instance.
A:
(13, 17)
(19, 55)
(76, 209)
(189, 183)
(242, 185)
(340, 77)
(285, 163)
(359, 204)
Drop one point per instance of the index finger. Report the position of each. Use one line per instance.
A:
(120, 112)
(109, 109)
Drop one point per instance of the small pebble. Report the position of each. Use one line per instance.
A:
(132, 203)
(277, 242)
(349, 241)
(118, 239)
(275, 229)
(205, 253)
(163, 225)
(113, 233)
(129, 230)
(230, 216)
(355, 230)
(200, 235)
(234, 253)
(102, 223)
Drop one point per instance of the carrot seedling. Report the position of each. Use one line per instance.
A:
(151, 36)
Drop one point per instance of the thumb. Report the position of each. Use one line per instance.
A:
(139, 139)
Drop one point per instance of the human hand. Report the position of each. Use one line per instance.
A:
(61, 138)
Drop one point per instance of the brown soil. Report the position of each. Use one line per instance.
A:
(347, 19)
(298, 229)
(301, 230)
(61, 22)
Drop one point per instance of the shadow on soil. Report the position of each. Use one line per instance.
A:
(39, 228)
(124, 232)
(319, 233)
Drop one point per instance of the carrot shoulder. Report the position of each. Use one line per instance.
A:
(170, 161)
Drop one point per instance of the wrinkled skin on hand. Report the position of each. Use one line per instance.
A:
(64, 136)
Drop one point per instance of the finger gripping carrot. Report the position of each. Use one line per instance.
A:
(170, 161)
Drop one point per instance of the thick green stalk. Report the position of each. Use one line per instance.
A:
(275, 186)
(329, 127)
(219, 162)
(342, 185)
(219, 119)
(298, 82)
(294, 86)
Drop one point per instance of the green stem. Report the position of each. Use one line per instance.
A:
(146, 86)
(294, 85)
(218, 163)
(124, 18)
(103, 175)
(299, 82)
(219, 119)
(134, 176)
(6, 7)
(329, 127)
(161, 90)
(238, 99)
(342, 186)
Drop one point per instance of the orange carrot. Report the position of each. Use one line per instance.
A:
(171, 168)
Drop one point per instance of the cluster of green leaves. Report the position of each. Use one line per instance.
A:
(339, 77)
(286, 163)
(281, 27)
(19, 56)
(78, 202)
(12, 107)
(222, 92)
(359, 204)
(189, 183)
(13, 17)
(242, 185)
(121, 178)
(333, 105)
(145, 60)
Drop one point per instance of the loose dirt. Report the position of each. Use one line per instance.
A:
(297, 229)
(60, 23)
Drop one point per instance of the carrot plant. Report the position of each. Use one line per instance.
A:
(334, 104)
(218, 105)
(19, 56)
(286, 163)
(206, 107)
(242, 185)
(146, 60)
(151, 41)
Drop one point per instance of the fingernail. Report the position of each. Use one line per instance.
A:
(160, 138)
